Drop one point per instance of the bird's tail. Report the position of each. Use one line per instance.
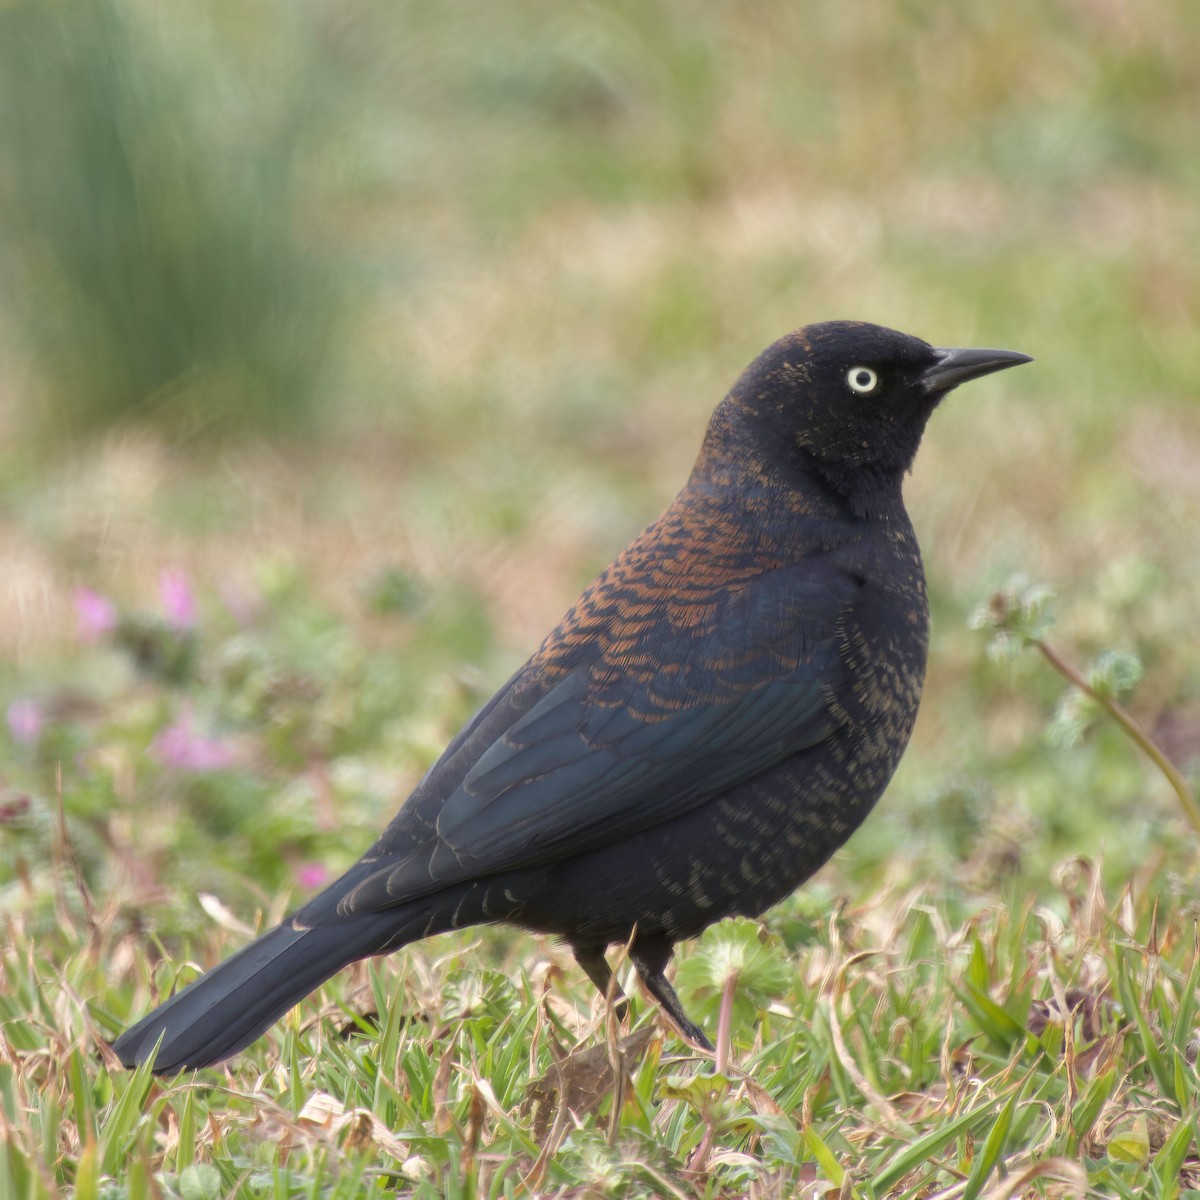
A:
(224, 1010)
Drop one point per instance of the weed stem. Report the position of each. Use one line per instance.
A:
(1126, 721)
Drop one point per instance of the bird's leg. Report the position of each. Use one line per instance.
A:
(596, 967)
(651, 958)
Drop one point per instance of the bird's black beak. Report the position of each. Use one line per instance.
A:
(955, 366)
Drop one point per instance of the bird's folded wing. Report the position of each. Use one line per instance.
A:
(589, 763)
(568, 769)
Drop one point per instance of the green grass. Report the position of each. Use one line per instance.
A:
(489, 268)
(158, 268)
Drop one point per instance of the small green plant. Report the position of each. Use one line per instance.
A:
(1020, 617)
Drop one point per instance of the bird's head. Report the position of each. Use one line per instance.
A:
(853, 398)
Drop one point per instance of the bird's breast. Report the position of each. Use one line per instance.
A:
(883, 640)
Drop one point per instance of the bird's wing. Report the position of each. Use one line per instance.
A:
(611, 747)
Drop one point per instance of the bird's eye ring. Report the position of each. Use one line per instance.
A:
(862, 380)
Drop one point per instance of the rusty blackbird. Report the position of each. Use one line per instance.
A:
(714, 717)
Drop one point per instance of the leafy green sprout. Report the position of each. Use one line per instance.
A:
(1020, 615)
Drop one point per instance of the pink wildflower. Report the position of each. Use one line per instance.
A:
(183, 748)
(312, 875)
(25, 721)
(178, 599)
(96, 615)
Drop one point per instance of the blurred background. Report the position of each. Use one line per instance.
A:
(342, 343)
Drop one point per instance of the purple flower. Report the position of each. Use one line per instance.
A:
(183, 748)
(178, 599)
(25, 721)
(312, 875)
(96, 615)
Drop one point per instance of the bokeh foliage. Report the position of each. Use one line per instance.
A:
(159, 261)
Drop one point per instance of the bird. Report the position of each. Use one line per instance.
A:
(715, 715)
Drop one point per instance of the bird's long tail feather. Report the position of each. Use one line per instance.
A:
(224, 1010)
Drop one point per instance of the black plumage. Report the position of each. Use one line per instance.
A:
(716, 714)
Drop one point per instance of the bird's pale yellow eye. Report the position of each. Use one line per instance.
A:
(862, 380)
